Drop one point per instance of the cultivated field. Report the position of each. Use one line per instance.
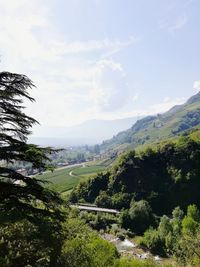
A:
(64, 179)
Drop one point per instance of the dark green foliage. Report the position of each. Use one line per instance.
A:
(125, 219)
(178, 236)
(121, 200)
(191, 119)
(153, 241)
(83, 248)
(89, 190)
(166, 176)
(99, 221)
(17, 192)
(103, 200)
(141, 216)
(125, 262)
(13, 88)
(24, 203)
(22, 245)
(138, 218)
(186, 245)
(191, 221)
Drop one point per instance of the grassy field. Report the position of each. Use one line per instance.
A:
(85, 171)
(66, 179)
(60, 180)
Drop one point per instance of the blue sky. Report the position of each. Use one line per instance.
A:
(102, 59)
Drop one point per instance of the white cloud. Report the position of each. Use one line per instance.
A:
(111, 46)
(175, 16)
(196, 85)
(109, 92)
(178, 24)
(72, 87)
(161, 107)
(165, 105)
(27, 34)
(94, 91)
(173, 25)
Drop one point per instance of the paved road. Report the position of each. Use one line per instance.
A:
(64, 167)
(69, 166)
(71, 173)
(89, 208)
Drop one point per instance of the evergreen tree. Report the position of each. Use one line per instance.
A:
(22, 197)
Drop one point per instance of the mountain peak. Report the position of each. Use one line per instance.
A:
(194, 98)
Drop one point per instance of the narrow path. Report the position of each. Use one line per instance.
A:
(80, 164)
(71, 173)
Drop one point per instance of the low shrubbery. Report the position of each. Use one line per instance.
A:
(124, 262)
(177, 236)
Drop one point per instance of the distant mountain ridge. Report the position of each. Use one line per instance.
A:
(158, 127)
(89, 132)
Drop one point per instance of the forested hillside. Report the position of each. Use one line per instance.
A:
(157, 193)
(165, 176)
(158, 127)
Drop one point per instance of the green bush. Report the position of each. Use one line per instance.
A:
(141, 216)
(21, 245)
(103, 200)
(124, 262)
(121, 200)
(84, 248)
(153, 242)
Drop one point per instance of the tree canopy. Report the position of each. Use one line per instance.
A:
(18, 192)
(23, 197)
(165, 175)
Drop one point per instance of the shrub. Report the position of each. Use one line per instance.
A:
(153, 242)
(141, 216)
(124, 262)
(103, 200)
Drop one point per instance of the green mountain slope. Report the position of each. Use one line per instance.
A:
(165, 175)
(158, 127)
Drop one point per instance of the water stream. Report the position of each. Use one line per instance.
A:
(124, 245)
(121, 245)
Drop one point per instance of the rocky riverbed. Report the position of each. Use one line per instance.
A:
(128, 248)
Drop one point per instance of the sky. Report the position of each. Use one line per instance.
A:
(102, 59)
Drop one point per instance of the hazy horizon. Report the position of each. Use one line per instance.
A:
(102, 60)
(85, 133)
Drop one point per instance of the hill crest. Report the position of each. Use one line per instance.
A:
(157, 127)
